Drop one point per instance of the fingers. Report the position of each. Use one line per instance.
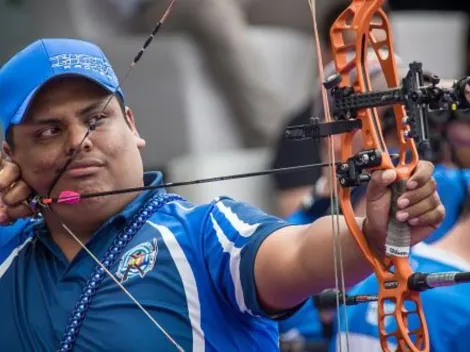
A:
(16, 193)
(15, 200)
(9, 173)
(4, 218)
(421, 175)
(432, 218)
(427, 211)
(19, 211)
(410, 198)
(378, 185)
(421, 205)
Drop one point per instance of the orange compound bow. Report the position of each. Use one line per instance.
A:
(364, 29)
(365, 21)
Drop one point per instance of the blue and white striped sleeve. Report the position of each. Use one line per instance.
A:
(233, 233)
(12, 240)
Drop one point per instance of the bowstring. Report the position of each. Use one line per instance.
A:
(334, 204)
(92, 127)
(121, 286)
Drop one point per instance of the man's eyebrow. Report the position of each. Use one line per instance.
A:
(92, 107)
(97, 105)
(43, 121)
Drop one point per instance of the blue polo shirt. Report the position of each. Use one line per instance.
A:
(196, 279)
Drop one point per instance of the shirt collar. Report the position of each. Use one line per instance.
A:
(151, 178)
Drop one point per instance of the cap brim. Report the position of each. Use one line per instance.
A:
(21, 112)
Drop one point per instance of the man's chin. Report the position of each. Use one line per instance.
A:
(88, 210)
(83, 186)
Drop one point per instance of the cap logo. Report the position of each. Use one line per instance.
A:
(84, 61)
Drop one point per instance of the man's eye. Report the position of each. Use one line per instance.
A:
(48, 132)
(96, 121)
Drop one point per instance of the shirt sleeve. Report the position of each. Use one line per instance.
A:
(233, 233)
(12, 239)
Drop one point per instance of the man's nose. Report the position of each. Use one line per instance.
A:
(78, 138)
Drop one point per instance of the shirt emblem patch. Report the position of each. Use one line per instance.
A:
(138, 261)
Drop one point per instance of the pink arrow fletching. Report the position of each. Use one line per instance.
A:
(69, 197)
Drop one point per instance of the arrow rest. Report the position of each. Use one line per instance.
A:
(351, 173)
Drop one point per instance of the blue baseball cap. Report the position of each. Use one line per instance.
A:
(24, 74)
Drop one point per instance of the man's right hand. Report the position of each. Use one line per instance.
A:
(14, 193)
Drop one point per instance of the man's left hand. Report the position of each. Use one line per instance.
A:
(420, 205)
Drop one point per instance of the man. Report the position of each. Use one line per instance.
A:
(212, 276)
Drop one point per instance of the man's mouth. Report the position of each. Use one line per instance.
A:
(83, 168)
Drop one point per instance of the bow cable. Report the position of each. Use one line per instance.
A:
(334, 203)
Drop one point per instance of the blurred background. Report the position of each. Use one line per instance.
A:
(223, 78)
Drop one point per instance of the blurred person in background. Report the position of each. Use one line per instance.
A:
(220, 30)
(438, 5)
(294, 189)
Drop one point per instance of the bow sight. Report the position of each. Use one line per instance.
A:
(419, 99)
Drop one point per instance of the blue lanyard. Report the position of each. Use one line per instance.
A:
(109, 259)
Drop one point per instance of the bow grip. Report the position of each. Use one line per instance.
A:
(398, 238)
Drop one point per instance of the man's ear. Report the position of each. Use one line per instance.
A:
(6, 149)
(131, 121)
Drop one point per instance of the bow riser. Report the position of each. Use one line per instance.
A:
(364, 26)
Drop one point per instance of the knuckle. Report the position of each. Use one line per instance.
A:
(428, 166)
(4, 183)
(13, 169)
(433, 204)
(432, 183)
(437, 199)
(431, 166)
(442, 212)
(437, 216)
(19, 211)
(9, 176)
(24, 190)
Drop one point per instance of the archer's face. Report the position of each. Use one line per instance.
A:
(56, 124)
